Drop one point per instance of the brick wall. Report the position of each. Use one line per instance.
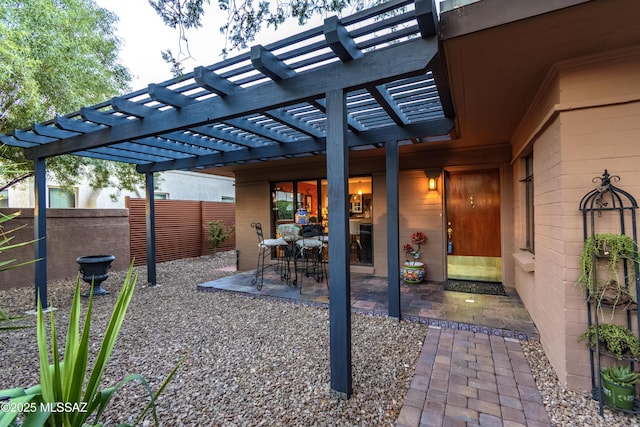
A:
(584, 120)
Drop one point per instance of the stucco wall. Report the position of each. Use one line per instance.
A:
(420, 209)
(585, 119)
(70, 233)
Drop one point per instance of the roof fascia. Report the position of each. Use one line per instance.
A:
(485, 14)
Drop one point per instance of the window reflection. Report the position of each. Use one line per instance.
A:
(312, 195)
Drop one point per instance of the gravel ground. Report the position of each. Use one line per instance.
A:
(250, 362)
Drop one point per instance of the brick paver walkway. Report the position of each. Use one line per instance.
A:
(464, 378)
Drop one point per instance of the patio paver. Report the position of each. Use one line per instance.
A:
(471, 370)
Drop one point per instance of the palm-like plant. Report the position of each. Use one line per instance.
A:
(65, 380)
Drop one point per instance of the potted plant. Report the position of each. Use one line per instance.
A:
(619, 386)
(413, 271)
(617, 340)
(608, 289)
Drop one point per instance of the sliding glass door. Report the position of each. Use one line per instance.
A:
(287, 197)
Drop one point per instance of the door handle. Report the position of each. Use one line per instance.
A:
(449, 241)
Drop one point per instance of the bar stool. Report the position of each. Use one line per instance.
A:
(310, 250)
(267, 248)
(291, 234)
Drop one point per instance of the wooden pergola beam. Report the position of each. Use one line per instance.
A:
(376, 67)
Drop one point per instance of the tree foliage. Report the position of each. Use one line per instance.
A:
(56, 56)
(246, 18)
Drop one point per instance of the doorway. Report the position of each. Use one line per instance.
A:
(472, 200)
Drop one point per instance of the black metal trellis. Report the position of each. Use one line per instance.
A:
(620, 206)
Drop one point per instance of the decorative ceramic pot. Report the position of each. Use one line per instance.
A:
(412, 272)
(302, 216)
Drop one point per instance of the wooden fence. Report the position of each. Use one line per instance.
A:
(181, 228)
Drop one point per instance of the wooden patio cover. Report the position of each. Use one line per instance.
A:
(369, 80)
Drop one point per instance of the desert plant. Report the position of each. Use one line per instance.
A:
(218, 233)
(7, 322)
(64, 382)
(620, 375)
(6, 244)
(618, 340)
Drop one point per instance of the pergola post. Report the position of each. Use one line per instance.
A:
(339, 269)
(40, 230)
(150, 216)
(393, 220)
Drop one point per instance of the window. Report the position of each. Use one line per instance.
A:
(529, 205)
(312, 194)
(4, 199)
(59, 198)
(229, 199)
(161, 196)
(282, 202)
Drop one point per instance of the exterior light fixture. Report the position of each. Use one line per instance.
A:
(433, 184)
(432, 178)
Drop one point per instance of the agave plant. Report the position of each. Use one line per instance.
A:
(64, 381)
(620, 375)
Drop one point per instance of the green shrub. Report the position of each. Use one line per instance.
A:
(218, 233)
(616, 339)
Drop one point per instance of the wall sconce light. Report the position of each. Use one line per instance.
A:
(433, 184)
(432, 178)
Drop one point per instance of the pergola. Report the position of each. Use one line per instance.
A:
(370, 80)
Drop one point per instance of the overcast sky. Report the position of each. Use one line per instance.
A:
(145, 36)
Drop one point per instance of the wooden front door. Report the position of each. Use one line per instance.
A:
(473, 225)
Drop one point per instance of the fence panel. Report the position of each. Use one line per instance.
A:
(181, 228)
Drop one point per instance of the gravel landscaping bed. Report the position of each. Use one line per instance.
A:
(250, 361)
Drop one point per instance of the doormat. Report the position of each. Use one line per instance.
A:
(475, 287)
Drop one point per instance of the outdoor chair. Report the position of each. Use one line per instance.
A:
(268, 248)
(310, 249)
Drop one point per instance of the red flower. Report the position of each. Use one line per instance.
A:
(419, 238)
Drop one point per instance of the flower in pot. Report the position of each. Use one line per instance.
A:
(413, 271)
(608, 289)
(619, 386)
(617, 340)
